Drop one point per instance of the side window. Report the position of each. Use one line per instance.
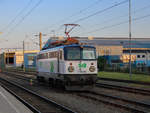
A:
(46, 55)
(55, 54)
(50, 54)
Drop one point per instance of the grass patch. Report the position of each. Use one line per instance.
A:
(124, 76)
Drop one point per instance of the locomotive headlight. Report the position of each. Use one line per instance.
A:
(92, 68)
(70, 68)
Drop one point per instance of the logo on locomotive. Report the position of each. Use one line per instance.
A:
(82, 65)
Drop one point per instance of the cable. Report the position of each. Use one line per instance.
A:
(77, 13)
(101, 11)
(38, 3)
(14, 19)
(82, 10)
(116, 18)
(23, 18)
(114, 25)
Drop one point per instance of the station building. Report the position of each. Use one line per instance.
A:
(139, 56)
(16, 58)
(111, 53)
(116, 50)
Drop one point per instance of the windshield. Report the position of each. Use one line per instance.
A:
(77, 53)
(73, 53)
(88, 53)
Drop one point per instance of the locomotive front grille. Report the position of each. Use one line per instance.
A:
(80, 79)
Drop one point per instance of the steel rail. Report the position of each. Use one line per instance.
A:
(119, 98)
(124, 88)
(134, 110)
(32, 108)
(42, 97)
(18, 75)
(116, 104)
(142, 104)
(124, 81)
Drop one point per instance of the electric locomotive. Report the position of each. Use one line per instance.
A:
(69, 64)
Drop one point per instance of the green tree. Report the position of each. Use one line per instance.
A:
(101, 63)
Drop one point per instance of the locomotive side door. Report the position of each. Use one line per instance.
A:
(61, 62)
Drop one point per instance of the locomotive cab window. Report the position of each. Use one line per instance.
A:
(72, 53)
(88, 53)
(77, 53)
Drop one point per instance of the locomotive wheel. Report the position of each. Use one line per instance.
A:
(59, 83)
(51, 82)
(40, 79)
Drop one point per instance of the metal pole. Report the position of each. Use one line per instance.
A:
(130, 71)
(23, 58)
(40, 40)
(8, 57)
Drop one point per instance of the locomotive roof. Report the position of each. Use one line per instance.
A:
(56, 48)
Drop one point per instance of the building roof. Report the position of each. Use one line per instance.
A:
(136, 51)
(116, 41)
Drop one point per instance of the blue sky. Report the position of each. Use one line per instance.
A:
(50, 15)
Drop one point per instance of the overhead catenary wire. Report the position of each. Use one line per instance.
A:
(101, 11)
(15, 18)
(125, 15)
(110, 26)
(82, 10)
(24, 17)
(120, 23)
(72, 15)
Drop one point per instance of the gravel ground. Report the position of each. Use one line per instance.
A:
(125, 95)
(147, 87)
(79, 104)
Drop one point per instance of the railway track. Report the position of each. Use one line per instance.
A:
(124, 88)
(19, 76)
(125, 81)
(104, 85)
(36, 102)
(22, 72)
(122, 103)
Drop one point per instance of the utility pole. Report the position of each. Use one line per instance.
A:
(23, 57)
(130, 70)
(40, 40)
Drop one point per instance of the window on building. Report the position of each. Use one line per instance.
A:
(143, 56)
(138, 56)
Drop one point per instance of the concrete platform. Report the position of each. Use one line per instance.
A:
(9, 104)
